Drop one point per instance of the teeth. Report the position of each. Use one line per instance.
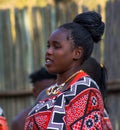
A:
(48, 60)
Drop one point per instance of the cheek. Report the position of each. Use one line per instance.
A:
(63, 57)
(61, 54)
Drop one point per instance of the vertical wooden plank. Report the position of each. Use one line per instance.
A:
(112, 57)
(112, 48)
(27, 29)
(43, 38)
(48, 20)
(36, 40)
(8, 57)
(39, 35)
(74, 9)
(53, 18)
(18, 51)
(69, 10)
(27, 46)
(61, 17)
(8, 50)
(2, 73)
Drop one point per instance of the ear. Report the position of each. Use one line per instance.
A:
(78, 53)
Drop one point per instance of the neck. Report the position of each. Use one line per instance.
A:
(62, 77)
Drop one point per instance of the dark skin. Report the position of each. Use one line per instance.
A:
(62, 58)
(41, 85)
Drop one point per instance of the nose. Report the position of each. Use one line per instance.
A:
(49, 51)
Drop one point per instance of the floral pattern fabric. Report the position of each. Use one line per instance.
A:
(79, 107)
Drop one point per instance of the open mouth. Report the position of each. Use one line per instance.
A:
(48, 61)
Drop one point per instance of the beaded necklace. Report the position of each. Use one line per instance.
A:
(54, 89)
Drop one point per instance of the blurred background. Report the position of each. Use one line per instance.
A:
(24, 28)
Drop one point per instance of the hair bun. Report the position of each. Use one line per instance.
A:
(92, 22)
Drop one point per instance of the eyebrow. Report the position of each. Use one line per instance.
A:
(53, 42)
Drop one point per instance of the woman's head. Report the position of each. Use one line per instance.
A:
(59, 55)
(86, 29)
(72, 43)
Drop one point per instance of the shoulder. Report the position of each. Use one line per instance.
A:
(87, 85)
(84, 83)
(41, 96)
(19, 121)
(84, 87)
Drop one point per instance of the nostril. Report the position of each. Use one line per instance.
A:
(49, 51)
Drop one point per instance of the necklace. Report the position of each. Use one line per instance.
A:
(54, 89)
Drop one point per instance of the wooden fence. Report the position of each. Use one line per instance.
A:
(112, 60)
(23, 38)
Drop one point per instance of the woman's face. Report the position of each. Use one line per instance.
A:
(59, 55)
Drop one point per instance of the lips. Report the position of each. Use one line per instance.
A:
(48, 61)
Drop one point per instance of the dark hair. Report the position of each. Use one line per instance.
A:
(41, 75)
(97, 72)
(86, 29)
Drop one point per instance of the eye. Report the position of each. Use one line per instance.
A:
(57, 45)
(48, 45)
(54, 44)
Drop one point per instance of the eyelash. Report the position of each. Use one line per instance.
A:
(48, 45)
(55, 46)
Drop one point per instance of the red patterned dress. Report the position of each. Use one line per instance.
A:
(79, 107)
(3, 121)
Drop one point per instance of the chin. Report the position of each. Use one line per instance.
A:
(51, 70)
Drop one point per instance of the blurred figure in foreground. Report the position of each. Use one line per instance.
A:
(3, 121)
(98, 73)
(40, 79)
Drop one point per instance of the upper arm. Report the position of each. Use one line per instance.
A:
(84, 109)
(19, 121)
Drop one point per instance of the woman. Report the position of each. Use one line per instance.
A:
(74, 102)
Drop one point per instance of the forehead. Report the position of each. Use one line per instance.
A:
(59, 34)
